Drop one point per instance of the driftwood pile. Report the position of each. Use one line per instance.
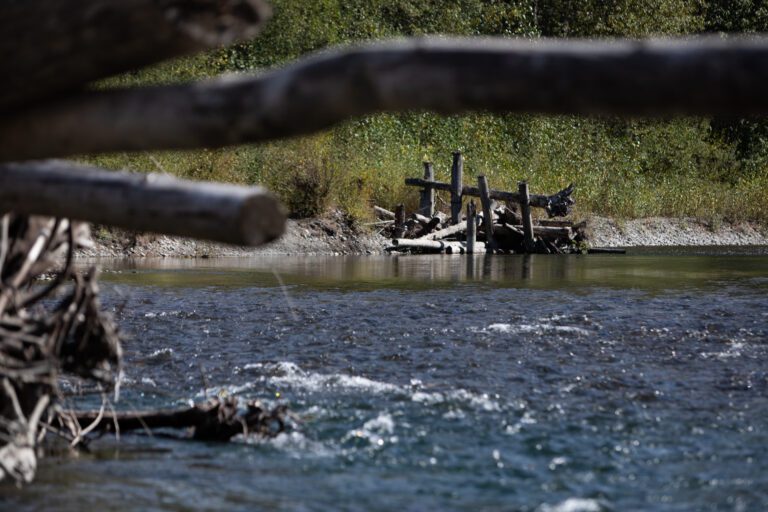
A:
(51, 325)
(503, 224)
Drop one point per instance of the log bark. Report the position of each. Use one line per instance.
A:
(435, 245)
(48, 47)
(444, 233)
(383, 213)
(427, 196)
(525, 209)
(485, 198)
(216, 420)
(538, 200)
(471, 227)
(457, 176)
(448, 76)
(142, 202)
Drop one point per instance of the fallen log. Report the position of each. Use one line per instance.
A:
(142, 202)
(383, 213)
(538, 200)
(551, 232)
(48, 47)
(435, 245)
(215, 420)
(711, 76)
(446, 232)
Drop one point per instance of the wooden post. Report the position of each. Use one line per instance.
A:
(525, 209)
(485, 198)
(399, 221)
(471, 227)
(427, 200)
(457, 172)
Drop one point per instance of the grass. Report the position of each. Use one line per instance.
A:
(622, 168)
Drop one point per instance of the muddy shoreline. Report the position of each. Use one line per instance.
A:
(336, 235)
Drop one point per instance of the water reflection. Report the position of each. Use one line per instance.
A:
(643, 271)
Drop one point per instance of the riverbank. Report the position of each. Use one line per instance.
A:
(336, 234)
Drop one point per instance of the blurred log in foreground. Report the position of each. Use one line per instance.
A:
(450, 76)
(55, 46)
(142, 202)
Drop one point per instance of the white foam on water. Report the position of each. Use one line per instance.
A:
(161, 353)
(477, 401)
(541, 328)
(734, 350)
(526, 419)
(377, 431)
(286, 374)
(573, 505)
(293, 443)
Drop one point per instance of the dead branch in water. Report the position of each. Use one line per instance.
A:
(707, 76)
(215, 420)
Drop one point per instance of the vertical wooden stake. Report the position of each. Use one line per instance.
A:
(427, 200)
(471, 227)
(485, 198)
(525, 209)
(457, 172)
(399, 221)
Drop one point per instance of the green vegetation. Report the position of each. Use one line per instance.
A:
(709, 168)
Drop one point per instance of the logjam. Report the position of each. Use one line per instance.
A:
(56, 327)
(507, 222)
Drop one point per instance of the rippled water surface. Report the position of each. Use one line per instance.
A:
(635, 382)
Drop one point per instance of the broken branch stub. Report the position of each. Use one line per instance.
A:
(142, 202)
(49, 47)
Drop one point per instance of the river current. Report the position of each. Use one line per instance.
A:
(540, 383)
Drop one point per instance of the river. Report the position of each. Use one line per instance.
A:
(539, 383)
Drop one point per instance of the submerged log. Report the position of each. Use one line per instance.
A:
(142, 202)
(215, 420)
(710, 76)
(49, 47)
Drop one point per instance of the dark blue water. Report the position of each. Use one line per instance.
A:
(441, 383)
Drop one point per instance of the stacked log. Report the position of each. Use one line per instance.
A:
(435, 235)
(505, 224)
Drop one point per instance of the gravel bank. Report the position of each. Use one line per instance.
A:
(334, 234)
(661, 231)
